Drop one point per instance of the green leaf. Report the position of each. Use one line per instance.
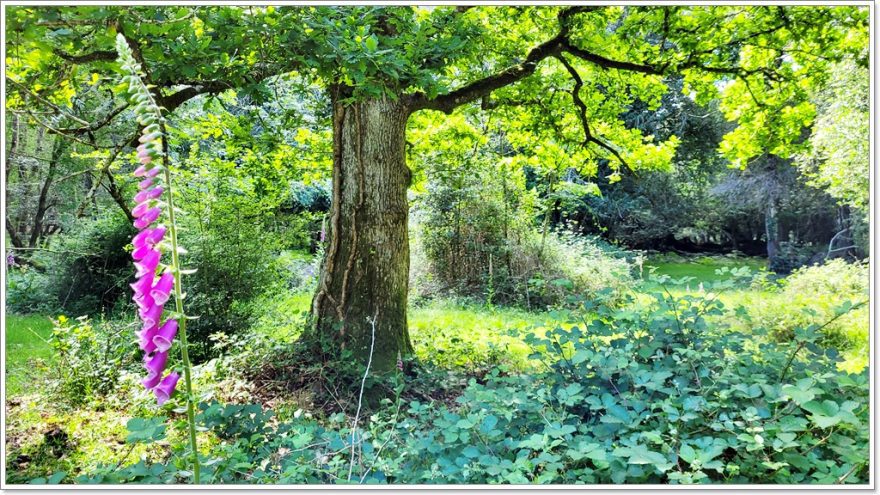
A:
(687, 453)
(824, 414)
(471, 452)
(145, 430)
(641, 455)
(372, 43)
(581, 356)
(488, 424)
(56, 478)
(786, 437)
(798, 395)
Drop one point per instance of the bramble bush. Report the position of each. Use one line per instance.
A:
(527, 269)
(648, 393)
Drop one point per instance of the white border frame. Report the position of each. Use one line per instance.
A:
(407, 488)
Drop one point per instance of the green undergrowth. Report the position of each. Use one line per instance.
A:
(27, 351)
(743, 379)
(647, 393)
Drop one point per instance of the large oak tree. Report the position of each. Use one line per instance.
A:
(562, 76)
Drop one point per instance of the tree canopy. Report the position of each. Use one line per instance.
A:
(578, 67)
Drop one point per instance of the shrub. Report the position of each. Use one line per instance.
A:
(562, 265)
(28, 291)
(231, 242)
(91, 356)
(529, 269)
(811, 295)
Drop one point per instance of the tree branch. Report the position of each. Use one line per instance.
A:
(99, 124)
(582, 107)
(62, 133)
(576, 97)
(174, 100)
(477, 89)
(608, 63)
(116, 194)
(96, 56)
(105, 172)
(561, 43)
(47, 102)
(13, 234)
(552, 47)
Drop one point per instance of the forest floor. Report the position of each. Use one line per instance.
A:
(449, 334)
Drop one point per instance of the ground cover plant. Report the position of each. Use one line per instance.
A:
(437, 245)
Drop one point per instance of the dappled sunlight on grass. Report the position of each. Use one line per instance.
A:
(452, 335)
(25, 345)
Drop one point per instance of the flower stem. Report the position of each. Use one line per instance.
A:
(178, 302)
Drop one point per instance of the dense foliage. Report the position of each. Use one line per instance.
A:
(85, 271)
(812, 295)
(648, 394)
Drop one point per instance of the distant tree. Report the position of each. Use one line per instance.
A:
(839, 159)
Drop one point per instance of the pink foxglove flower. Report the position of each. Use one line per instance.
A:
(165, 335)
(148, 217)
(143, 171)
(150, 294)
(148, 263)
(149, 138)
(141, 252)
(155, 365)
(148, 194)
(151, 315)
(144, 302)
(164, 390)
(161, 291)
(145, 339)
(151, 291)
(139, 210)
(143, 285)
(151, 381)
(149, 237)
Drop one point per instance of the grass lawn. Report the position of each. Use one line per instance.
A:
(471, 336)
(703, 269)
(26, 342)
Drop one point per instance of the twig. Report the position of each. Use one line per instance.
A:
(128, 453)
(361, 394)
(49, 103)
(804, 343)
(845, 476)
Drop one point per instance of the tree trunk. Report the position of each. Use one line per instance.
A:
(771, 226)
(361, 299)
(58, 149)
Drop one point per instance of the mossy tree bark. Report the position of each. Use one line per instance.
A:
(365, 271)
